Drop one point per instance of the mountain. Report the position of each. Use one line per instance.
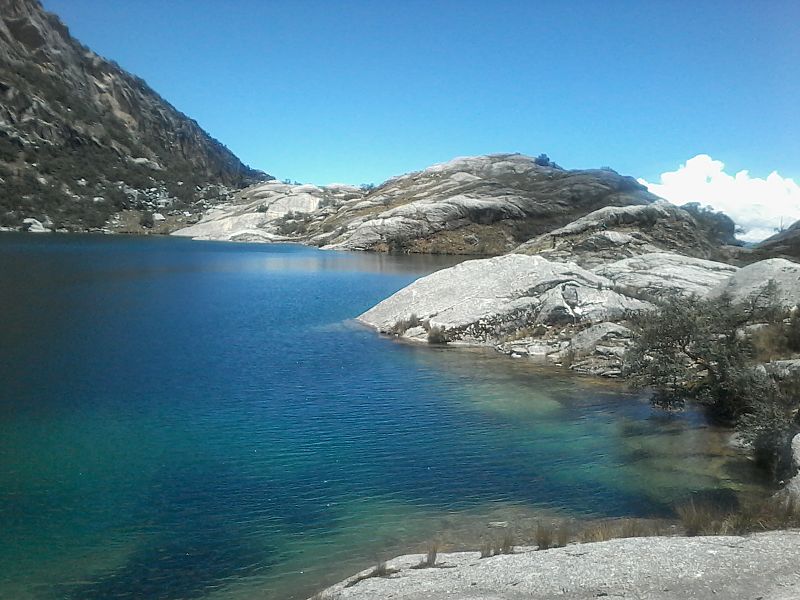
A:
(471, 205)
(81, 139)
(784, 243)
(477, 205)
(617, 232)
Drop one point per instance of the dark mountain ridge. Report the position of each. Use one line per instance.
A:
(80, 138)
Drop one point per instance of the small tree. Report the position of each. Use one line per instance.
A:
(698, 349)
(147, 220)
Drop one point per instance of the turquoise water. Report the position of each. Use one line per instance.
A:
(184, 419)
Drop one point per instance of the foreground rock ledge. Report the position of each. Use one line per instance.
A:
(764, 565)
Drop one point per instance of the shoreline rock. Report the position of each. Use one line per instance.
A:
(527, 305)
(762, 565)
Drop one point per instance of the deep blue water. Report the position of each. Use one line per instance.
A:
(185, 419)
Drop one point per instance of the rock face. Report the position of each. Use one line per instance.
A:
(478, 205)
(753, 279)
(785, 243)
(613, 233)
(271, 210)
(792, 488)
(485, 301)
(526, 305)
(661, 273)
(80, 138)
(762, 566)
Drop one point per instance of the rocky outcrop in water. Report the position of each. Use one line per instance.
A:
(530, 306)
(80, 138)
(661, 274)
(485, 301)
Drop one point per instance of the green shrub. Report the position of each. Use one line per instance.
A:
(404, 325)
(437, 335)
(146, 219)
(696, 349)
(793, 332)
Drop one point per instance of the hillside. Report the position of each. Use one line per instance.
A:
(472, 205)
(785, 243)
(81, 139)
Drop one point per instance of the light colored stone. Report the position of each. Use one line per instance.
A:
(613, 233)
(751, 280)
(659, 274)
(761, 566)
(482, 301)
(32, 225)
(478, 204)
(253, 213)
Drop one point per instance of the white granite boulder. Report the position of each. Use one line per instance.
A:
(482, 301)
(661, 273)
(751, 280)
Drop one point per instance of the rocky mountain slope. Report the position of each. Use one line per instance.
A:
(80, 138)
(614, 232)
(474, 205)
(786, 243)
(272, 211)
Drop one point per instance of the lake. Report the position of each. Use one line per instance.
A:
(183, 419)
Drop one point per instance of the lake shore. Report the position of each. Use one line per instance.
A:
(762, 565)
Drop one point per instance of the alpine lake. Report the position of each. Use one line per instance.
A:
(184, 419)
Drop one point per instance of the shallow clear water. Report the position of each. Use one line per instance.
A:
(183, 419)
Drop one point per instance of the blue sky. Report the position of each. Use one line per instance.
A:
(358, 91)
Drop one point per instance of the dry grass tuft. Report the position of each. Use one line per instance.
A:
(601, 532)
(544, 537)
(699, 519)
(430, 558)
(380, 570)
(507, 543)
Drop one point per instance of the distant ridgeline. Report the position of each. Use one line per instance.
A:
(81, 139)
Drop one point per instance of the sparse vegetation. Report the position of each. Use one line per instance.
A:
(698, 519)
(292, 223)
(380, 570)
(429, 560)
(147, 219)
(437, 335)
(498, 545)
(544, 537)
(404, 325)
(507, 543)
(699, 350)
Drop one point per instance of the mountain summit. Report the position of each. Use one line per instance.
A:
(81, 139)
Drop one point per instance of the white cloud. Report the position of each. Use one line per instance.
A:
(758, 206)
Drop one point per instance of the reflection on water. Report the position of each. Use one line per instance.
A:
(183, 419)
